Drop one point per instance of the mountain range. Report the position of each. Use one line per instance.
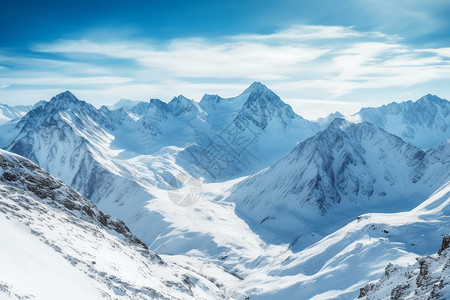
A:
(240, 195)
(343, 171)
(11, 113)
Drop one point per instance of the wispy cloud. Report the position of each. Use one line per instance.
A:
(301, 62)
(199, 58)
(43, 79)
(309, 33)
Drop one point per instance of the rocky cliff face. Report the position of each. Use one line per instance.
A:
(428, 278)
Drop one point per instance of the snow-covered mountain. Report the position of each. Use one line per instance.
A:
(424, 123)
(67, 137)
(325, 121)
(343, 171)
(8, 113)
(126, 104)
(428, 278)
(58, 244)
(276, 234)
(244, 134)
(159, 124)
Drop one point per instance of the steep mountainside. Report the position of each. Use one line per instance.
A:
(341, 172)
(60, 244)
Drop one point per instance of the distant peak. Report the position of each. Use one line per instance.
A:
(67, 95)
(158, 104)
(125, 104)
(211, 98)
(180, 97)
(256, 87)
(64, 101)
(336, 114)
(429, 98)
(127, 101)
(180, 104)
(325, 121)
(155, 101)
(340, 123)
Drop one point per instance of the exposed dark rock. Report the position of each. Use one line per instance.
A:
(445, 244)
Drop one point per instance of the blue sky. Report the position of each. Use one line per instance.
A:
(319, 56)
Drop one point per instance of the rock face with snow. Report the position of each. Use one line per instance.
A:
(60, 244)
(345, 168)
(424, 123)
(428, 278)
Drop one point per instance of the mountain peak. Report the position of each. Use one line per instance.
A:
(335, 130)
(67, 95)
(63, 100)
(429, 98)
(154, 102)
(211, 98)
(325, 121)
(256, 87)
(180, 104)
(339, 122)
(180, 98)
(125, 104)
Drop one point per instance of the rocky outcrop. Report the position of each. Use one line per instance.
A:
(428, 278)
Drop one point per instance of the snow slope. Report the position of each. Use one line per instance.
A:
(339, 264)
(60, 245)
(343, 171)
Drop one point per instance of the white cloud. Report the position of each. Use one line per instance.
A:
(443, 52)
(199, 58)
(38, 79)
(310, 33)
(308, 62)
